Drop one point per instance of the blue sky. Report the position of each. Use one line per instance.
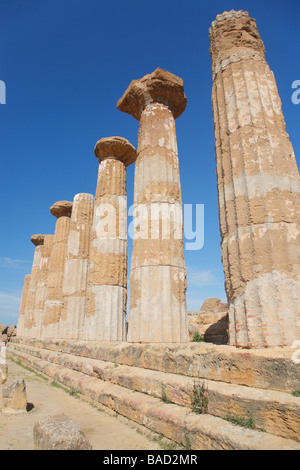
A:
(66, 63)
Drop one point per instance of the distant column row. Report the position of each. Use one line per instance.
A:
(78, 285)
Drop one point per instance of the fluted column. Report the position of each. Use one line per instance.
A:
(258, 186)
(22, 311)
(41, 284)
(107, 279)
(53, 306)
(158, 275)
(76, 268)
(30, 320)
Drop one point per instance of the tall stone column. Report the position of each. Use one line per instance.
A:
(41, 285)
(30, 320)
(258, 186)
(158, 274)
(107, 280)
(54, 296)
(76, 268)
(22, 311)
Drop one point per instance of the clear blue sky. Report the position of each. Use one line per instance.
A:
(66, 63)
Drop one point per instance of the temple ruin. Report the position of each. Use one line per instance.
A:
(72, 320)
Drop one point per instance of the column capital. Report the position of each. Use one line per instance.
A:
(38, 239)
(61, 209)
(115, 147)
(160, 86)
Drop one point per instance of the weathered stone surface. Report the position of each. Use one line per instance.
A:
(3, 364)
(107, 276)
(123, 390)
(34, 289)
(211, 321)
(12, 331)
(37, 239)
(213, 305)
(4, 338)
(3, 373)
(3, 329)
(59, 432)
(76, 268)
(258, 187)
(14, 399)
(61, 209)
(22, 311)
(54, 298)
(212, 326)
(158, 274)
(160, 87)
(115, 147)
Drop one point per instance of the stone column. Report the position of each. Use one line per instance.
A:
(107, 280)
(54, 296)
(41, 285)
(22, 311)
(30, 320)
(258, 186)
(76, 268)
(158, 274)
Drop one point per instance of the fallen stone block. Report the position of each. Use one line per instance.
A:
(59, 432)
(12, 331)
(3, 329)
(14, 399)
(3, 365)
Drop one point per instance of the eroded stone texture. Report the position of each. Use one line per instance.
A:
(14, 398)
(76, 268)
(30, 320)
(258, 186)
(22, 311)
(41, 285)
(59, 432)
(107, 277)
(158, 275)
(54, 298)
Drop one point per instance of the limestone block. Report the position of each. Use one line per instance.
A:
(3, 329)
(3, 364)
(59, 432)
(14, 399)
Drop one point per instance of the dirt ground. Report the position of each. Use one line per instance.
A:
(105, 432)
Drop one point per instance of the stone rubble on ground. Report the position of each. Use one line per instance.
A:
(14, 398)
(59, 432)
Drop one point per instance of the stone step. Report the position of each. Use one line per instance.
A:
(270, 368)
(195, 432)
(275, 412)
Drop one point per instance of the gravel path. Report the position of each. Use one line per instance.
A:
(105, 432)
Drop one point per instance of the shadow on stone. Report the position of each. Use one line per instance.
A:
(29, 407)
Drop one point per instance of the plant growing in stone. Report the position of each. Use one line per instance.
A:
(199, 400)
(164, 395)
(244, 421)
(197, 338)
